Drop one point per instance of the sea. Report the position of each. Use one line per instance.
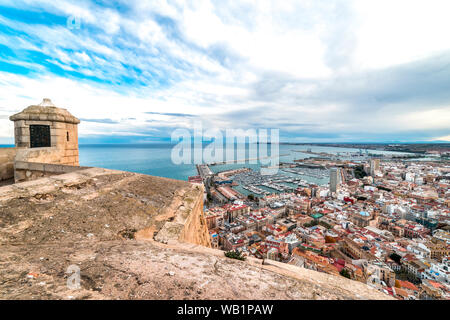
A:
(156, 158)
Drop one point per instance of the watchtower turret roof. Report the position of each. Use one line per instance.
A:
(45, 111)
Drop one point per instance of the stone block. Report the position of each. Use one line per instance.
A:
(20, 124)
(36, 166)
(60, 132)
(24, 131)
(19, 175)
(56, 140)
(24, 139)
(59, 125)
(37, 122)
(71, 153)
(21, 165)
(60, 118)
(56, 168)
(68, 160)
(71, 145)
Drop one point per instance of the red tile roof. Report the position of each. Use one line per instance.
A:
(407, 285)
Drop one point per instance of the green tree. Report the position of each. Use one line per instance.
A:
(324, 224)
(345, 273)
(234, 255)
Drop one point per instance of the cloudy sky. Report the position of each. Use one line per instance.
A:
(320, 71)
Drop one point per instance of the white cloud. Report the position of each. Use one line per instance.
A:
(395, 32)
(302, 62)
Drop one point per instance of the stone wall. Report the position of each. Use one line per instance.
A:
(66, 136)
(7, 163)
(52, 155)
(187, 221)
(43, 155)
(196, 221)
(26, 171)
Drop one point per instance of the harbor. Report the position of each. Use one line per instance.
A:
(286, 180)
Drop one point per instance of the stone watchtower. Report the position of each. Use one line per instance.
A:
(50, 134)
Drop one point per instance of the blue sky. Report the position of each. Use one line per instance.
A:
(320, 71)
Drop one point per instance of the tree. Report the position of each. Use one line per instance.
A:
(234, 255)
(345, 273)
(310, 224)
(251, 197)
(324, 224)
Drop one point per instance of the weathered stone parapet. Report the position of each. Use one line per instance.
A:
(187, 222)
(7, 163)
(26, 171)
(133, 204)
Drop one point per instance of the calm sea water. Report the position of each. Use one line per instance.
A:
(155, 159)
(152, 159)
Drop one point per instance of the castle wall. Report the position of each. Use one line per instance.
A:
(7, 163)
(195, 228)
(187, 222)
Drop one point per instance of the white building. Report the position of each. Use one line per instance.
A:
(439, 271)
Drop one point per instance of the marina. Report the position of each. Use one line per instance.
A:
(316, 173)
(286, 180)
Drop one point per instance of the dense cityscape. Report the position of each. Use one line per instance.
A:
(381, 220)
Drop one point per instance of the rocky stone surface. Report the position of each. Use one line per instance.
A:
(104, 204)
(105, 223)
(133, 269)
